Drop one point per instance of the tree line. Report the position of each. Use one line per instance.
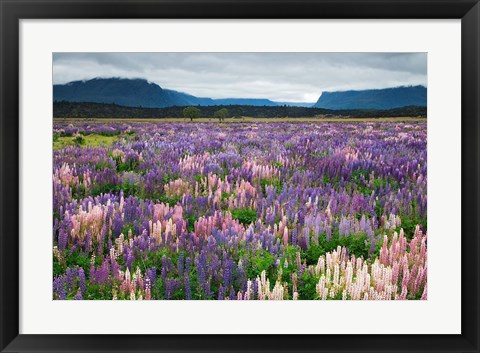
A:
(65, 109)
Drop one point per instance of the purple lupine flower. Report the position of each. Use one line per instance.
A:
(100, 274)
(227, 276)
(188, 292)
(129, 261)
(59, 288)
(152, 275)
(311, 205)
(233, 295)
(180, 261)
(170, 287)
(114, 267)
(164, 271)
(208, 293)
(92, 272)
(221, 293)
(88, 240)
(62, 239)
(294, 236)
(78, 296)
(70, 277)
(81, 281)
(117, 224)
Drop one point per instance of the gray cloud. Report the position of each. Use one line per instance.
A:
(277, 76)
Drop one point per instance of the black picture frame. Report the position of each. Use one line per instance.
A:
(12, 11)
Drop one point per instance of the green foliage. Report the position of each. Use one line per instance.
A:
(290, 254)
(378, 210)
(409, 223)
(245, 216)
(179, 294)
(56, 215)
(169, 177)
(327, 179)
(358, 176)
(361, 179)
(274, 182)
(158, 289)
(191, 113)
(97, 292)
(127, 188)
(78, 191)
(411, 218)
(307, 288)
(221, 114)
(356, 244)
(198, 178)
(260, 261)
(153, 259)
(98, 189)
(102, 165)
(127, 166)
(226, 195)
(79, 259)
(91, 140)
(191, 219)
(172, 200)
(58, 269)
(79, 140)
(313, 253)
(128, 228)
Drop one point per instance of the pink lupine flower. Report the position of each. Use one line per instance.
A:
(285, 236)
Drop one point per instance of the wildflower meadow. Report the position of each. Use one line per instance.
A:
(239, 211)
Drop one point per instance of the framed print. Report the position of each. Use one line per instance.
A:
(233, 176)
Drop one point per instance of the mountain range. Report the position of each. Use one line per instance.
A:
(387, 98)
(142, 93)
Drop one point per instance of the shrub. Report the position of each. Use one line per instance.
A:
(245, 216)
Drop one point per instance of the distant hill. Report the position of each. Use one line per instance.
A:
(141, 93)
(387, 98)
(97, 110)
(244, 101)
(126, 92)
(296, 104)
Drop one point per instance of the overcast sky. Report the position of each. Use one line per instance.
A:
(284, 77)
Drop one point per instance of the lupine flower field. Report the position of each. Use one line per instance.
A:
(239, 211)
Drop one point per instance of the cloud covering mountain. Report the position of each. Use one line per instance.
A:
(279, 77)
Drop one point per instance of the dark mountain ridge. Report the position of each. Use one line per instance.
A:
(141, 93)
(387, 98)
(126, 92)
